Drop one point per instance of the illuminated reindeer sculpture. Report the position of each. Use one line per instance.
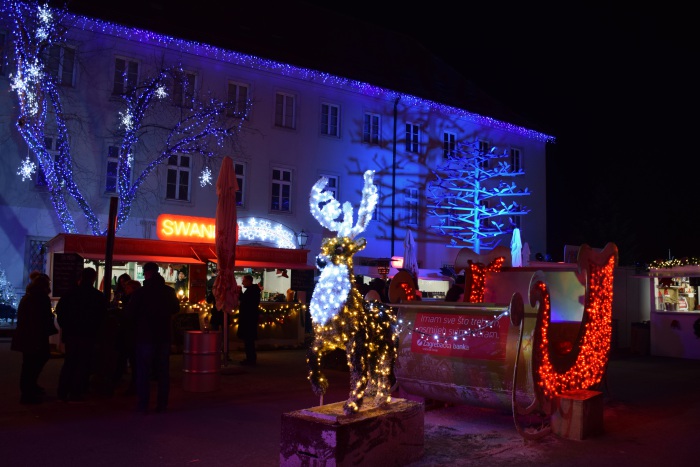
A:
(342, 319)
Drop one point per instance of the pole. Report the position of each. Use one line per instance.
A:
(393, 180)
(109, 253)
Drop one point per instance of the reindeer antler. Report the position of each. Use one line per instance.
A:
(329, 214)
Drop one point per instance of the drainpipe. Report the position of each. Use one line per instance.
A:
(393, 178)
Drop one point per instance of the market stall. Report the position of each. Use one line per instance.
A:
(674, 328)
(282, 323)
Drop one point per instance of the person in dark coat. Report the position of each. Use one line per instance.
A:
(456, 292)
(81, 314)
(35, 323)
(150, 310)
(248, 314)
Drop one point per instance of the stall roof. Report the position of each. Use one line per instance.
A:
(163, 251)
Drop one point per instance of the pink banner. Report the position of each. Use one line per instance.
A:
(454, 337)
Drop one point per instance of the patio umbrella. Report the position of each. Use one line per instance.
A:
(410, 261)
(225, 287)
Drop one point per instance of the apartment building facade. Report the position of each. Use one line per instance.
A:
(299, 124)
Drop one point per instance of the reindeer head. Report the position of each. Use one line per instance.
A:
(335, 260)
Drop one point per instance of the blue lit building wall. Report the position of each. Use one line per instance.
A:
(27, 214)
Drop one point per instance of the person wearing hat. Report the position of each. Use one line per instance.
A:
(150, 310)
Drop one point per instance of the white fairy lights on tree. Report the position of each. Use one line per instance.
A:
(7, 292)
(470, 197)
(203, 128)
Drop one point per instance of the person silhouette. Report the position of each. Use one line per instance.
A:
(35, 323)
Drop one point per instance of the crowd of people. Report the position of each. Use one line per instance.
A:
(102, 341)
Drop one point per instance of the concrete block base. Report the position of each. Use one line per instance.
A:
(390, 435)
(578, 414)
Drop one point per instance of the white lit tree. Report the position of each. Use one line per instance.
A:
(472, 197)
(8, 298)
(202, 127)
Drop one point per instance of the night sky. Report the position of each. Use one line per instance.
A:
(616, 87)
(613, 87)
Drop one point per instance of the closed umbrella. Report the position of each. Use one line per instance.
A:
(225, 287)
(410, 260)
(516, 249)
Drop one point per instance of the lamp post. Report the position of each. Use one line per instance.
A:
(302, 238)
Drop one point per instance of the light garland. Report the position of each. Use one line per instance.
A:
(250, 61)
(264, 230)
(457, 336)
(674, 263)
(584, 365)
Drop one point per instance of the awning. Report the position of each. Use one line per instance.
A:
(167, 252)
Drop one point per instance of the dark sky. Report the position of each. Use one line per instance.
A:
(614, 88)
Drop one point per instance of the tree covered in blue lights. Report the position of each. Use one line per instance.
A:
(201, 126)
(472, 197)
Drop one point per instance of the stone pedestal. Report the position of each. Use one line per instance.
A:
(391, 435)
(578, 414)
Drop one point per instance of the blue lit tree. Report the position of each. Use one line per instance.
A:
(201, 127)
(472, 198)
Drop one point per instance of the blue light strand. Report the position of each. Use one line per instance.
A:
(257, 63)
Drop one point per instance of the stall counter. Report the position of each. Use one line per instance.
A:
(673, 334)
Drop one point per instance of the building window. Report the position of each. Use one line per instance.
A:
(51, 145)
(370, 129)
(484, 148)
(515, 220)
(238, 96)
(36, 257)
(112, 173)
(126, 74)
(281, 190)
(178, 182)
(375, 213)
(332, 186)
(240, 167)
(452, 214)
(61, 64)
(330, 120)
(285, 112)
(515, 160)
(449, 144)
(183, 90)
(412, 137)
(412, 206)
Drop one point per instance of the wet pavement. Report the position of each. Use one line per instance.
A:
(651, 416)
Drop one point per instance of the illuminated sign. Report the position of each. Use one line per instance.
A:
(203, 230)
(186, 228)
(457, 339)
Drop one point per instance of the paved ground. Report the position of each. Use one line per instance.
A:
(651, 416)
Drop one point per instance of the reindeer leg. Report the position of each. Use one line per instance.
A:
(358, 373)
(319, 383)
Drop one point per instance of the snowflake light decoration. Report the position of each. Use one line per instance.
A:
(26, 169)
(205, 177)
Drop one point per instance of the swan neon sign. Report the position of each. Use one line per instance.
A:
(203, 230)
